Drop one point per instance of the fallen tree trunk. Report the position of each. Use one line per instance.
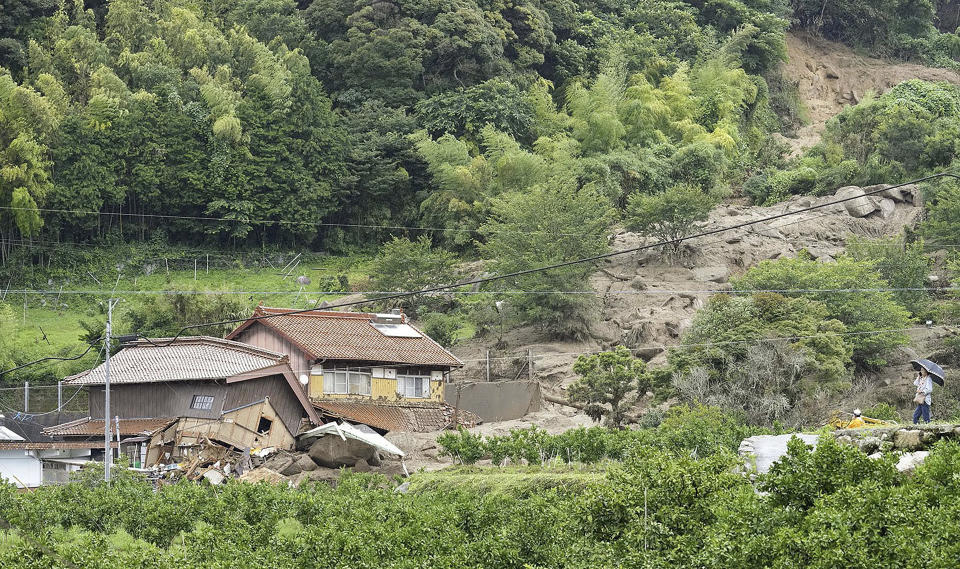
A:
(561, 401)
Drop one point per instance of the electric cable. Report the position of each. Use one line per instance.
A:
(568, 263)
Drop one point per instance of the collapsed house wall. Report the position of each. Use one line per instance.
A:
(240, 428)
(495, 401)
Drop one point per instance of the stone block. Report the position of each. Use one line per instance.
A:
(861, 206)
(907, 440)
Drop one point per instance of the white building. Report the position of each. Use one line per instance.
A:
(19, 464)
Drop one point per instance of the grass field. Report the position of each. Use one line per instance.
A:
(50, 323)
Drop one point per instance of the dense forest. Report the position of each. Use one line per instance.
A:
(330, 123)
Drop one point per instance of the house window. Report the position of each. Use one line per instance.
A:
(263, 427)
(413, 386)
(202, 402)
(346, 382)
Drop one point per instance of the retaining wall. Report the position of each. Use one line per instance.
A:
(497, 400)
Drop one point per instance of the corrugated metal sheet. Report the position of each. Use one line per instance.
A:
(348, 336)
(94, 427)
(395, 416)
(189, 358)
(8, 435)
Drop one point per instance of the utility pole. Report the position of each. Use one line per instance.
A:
(107, 453)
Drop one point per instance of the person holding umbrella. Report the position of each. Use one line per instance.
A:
(927, 373)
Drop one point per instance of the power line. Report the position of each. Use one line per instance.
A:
(284, 222)
(558, 265)
(645, 292)
(52, 358)
(570, 263)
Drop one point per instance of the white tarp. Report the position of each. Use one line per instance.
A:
(347, 431)
(765, 450)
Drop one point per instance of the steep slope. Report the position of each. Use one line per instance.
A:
(830, 76)
(646, 301)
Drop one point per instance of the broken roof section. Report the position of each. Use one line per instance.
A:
(360, 433)
(194, 358)
(184, 359)
(8, 435)
(94, 427)
(353, 336)
(390, 416)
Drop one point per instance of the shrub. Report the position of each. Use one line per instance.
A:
(669, 216)
(803, 476)
(463, 446)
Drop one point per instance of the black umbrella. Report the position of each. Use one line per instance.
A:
(935, 371)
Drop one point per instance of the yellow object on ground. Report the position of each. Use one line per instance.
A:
(854, 422)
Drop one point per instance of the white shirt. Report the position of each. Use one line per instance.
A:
(924, 385)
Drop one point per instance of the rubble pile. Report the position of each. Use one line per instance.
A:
(321, 460)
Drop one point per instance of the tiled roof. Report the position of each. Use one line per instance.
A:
(94, 427)
(56, 445)
(183, 359)
(395, 416)
(349, 336)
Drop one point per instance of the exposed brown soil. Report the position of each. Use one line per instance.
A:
(645, 301)
(831, 76)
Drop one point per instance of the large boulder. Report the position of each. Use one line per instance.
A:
(860, 206)
(907, 440)
(909, 461)
(283, 463)
(305, 463)
(333, 452)
(717, 274)
(887, 207)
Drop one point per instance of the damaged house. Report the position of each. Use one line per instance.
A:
(167, 396)
(375, 369)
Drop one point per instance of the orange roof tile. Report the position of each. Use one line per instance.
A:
(349, 336)
(94, 427)
(420, 418)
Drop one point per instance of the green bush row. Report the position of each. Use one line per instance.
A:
(699, 431)
(829, 507)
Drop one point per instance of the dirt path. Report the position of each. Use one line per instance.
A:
(831, 76)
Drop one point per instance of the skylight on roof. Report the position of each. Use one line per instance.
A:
(396, 330)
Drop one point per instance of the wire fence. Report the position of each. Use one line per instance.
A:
(26, 399)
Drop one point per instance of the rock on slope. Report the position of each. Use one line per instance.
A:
(646, 302)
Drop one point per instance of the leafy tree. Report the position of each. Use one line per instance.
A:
(462, 112)
(901, 264)
(943, 220)
(19, 19)
(548, 224)
(874, 319)
(404, 265)
(468, 183)
(7, 323)
(163, 315)
(669, 216)
(608, 379)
